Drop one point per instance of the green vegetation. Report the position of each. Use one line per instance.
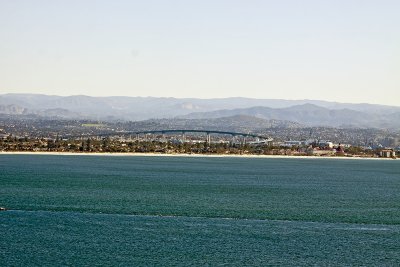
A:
(117, 145)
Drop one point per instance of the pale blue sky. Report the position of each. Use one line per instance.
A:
(346, 51)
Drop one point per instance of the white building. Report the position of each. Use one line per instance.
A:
(387, 153)
(291, 143)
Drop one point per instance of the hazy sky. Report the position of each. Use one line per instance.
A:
(346, 51)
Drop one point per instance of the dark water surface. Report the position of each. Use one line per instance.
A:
(106, 210)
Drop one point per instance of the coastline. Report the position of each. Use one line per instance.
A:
(119, 154)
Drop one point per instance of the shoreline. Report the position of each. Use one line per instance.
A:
(129, 154)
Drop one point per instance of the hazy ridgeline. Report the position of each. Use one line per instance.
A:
(305, 112)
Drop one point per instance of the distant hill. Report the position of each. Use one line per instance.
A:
(12, 109)
(308, 112)
(311, 115)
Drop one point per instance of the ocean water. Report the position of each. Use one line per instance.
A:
(183, 211)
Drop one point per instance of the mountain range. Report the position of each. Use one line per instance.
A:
(305, 112)
(311, 115)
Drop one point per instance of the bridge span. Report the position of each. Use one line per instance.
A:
(183, 132)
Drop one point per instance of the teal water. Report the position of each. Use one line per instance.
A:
(104, 210)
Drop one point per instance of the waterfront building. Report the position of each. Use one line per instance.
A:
(387, 153)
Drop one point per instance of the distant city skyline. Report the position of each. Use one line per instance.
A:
(344, 51)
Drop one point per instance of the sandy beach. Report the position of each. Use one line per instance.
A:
(183, 155)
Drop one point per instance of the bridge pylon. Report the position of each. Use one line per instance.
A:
(208, 140)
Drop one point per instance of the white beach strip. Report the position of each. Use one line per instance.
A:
(185, 155)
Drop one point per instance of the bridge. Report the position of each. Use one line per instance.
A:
(183, 132)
